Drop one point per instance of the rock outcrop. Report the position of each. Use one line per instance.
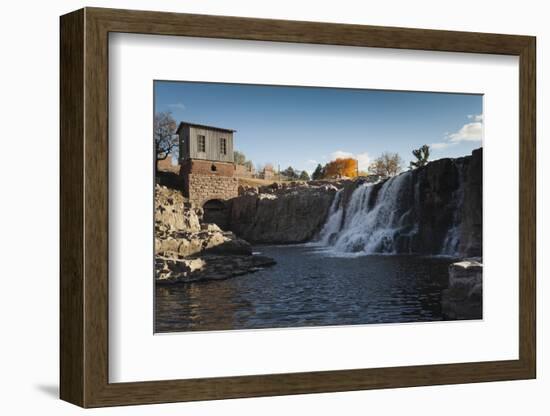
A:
(463, 298)
(189, 250)
(282, 213)
(435, 209)
(471, 225)
(174, 213)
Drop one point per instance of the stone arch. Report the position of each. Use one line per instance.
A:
(216, 211)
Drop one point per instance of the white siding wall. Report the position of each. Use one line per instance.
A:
(213, 149)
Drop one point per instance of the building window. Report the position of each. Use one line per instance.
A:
(201, 143)
(213, 168)
(223, 146)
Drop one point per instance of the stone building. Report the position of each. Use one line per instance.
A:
(208, 168)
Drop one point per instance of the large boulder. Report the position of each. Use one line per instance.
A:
(463, 298)
(231, 247)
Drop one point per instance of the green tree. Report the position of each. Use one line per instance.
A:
(290, 173)
(422, 155)
(318, 173)
(304, 176)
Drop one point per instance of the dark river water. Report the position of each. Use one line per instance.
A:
(308, 287)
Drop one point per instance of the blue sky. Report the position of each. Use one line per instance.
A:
(300, 126)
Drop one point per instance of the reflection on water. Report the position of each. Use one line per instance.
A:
(307, 287)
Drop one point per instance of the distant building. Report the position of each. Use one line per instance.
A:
(267, 173)
(207, 168)
(245, 171)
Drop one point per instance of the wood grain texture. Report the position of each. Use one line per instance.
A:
(527, 208)
(84, 205)
(71, 208)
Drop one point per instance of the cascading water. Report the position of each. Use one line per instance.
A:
(408, 213)
(452, 239)
(334, 220)
(372, 219)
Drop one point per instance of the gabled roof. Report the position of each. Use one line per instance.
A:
(204, 126)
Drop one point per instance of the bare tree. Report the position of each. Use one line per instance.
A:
(164, 132)
(388, 164)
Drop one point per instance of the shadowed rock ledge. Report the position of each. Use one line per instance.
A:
(282, 213)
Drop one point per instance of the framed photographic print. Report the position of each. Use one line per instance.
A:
(255, 207)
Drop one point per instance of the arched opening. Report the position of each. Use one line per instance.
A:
(215, 211)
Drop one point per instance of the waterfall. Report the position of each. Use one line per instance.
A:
(372, 219)
(398, 216)
(334, 220)
(452, 239)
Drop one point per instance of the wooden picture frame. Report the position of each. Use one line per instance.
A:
(84, 207)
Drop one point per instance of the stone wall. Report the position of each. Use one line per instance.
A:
(204, 180)
(202, 188)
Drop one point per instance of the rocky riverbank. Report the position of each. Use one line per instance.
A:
(189, 250)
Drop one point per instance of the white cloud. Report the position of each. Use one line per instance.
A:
(177, 106)
(469, 132)
(311, 162)
(363, 159)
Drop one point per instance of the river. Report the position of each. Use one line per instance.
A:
(309, 287)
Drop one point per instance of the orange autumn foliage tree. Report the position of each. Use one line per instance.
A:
(341, 167)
